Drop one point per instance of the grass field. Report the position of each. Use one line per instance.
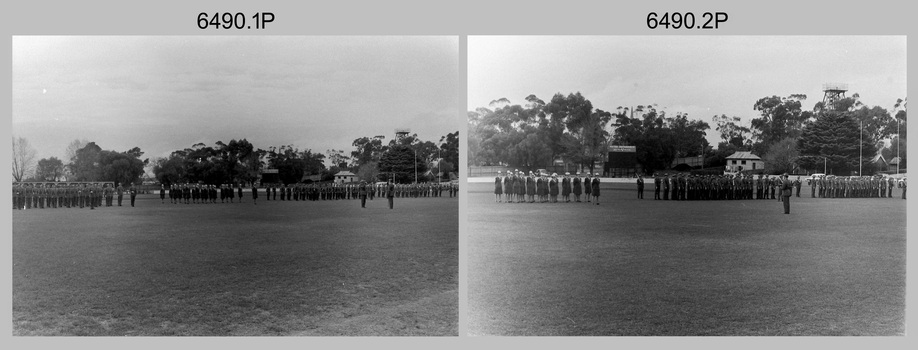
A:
(276, 268)
(645, 267)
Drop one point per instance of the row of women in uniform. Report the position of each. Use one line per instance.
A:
(67, 195)
(829, 186)
(519, 187)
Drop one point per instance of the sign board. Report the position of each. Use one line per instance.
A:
(623, 157)
(622, 149)
(269, 171)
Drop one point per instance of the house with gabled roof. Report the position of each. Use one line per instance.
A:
(743, 161)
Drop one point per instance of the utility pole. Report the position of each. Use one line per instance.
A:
(860, 167)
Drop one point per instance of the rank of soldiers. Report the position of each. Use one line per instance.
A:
(41, 195)
(519, 187)
(229, 193)
(746, 186)
(830, 186)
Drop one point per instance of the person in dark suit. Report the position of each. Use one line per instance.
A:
(787, 188)
(162, 194)
(657, 182)
(255, 194)
(797, 184)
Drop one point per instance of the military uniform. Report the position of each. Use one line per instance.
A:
(566, 187)
(640, 187)
(390, 194)
(498, 187)
(362, 192)
(595, 189)
(786, 189)
(588, 188)
(666, 184)
(577, 189)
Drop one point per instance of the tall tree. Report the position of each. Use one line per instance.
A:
(834, 138)
(85, 165)
(23, 158)
(688, 136)
(731, 131)
(781, 156)
(586, 127)
(337, 158)
(122, 167)
(876, 122)
(70, 153)
(368, 172)
(780, 117)
(401, 163)
(367, 150)
(449, 150)
(50, 169)
(170, 170)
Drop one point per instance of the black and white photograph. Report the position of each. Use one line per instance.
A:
(686, 185)
(235, 185)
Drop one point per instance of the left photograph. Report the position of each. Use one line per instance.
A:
(235, 186)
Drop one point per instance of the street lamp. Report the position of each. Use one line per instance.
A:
(860, 166)
(415, 165)
(898, 160)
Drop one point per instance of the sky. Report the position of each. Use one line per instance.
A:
(703, 76)
(168, 93)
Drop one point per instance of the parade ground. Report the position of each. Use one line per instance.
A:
(275, 268)
(671, 268)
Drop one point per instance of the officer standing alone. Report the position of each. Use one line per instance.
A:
(390, 193)
(787, 188)
(362, 192)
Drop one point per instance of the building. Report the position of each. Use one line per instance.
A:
(743, 161)
(345, 176)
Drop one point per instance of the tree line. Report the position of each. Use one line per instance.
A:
(240, 162)
(568, 129)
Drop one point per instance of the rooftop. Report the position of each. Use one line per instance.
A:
(744, 155)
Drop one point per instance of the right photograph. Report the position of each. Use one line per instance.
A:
(686, 185)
